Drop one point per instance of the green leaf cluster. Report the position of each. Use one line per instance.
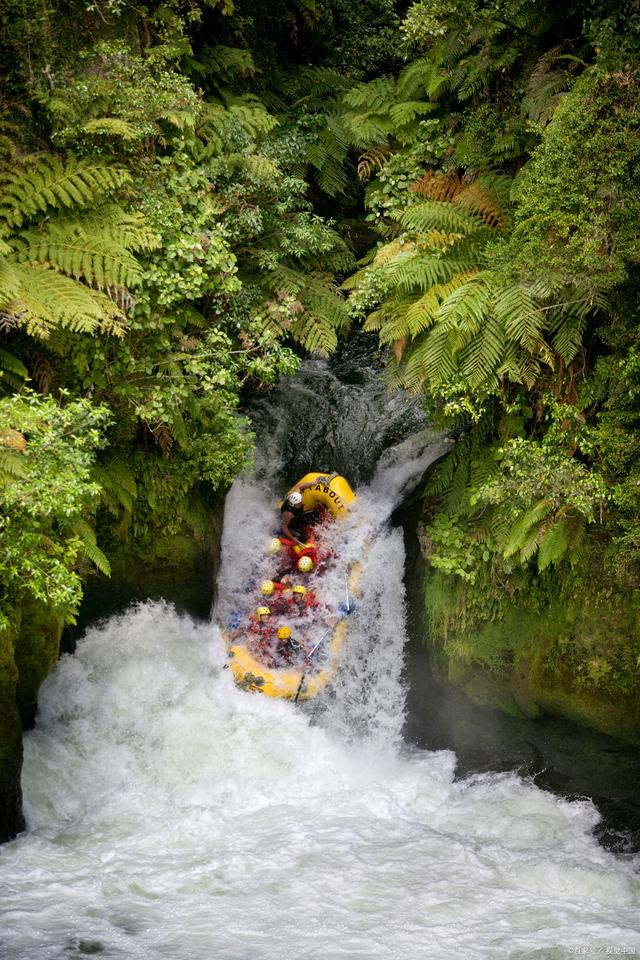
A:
(47, 492)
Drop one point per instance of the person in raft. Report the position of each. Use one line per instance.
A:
(292, 514)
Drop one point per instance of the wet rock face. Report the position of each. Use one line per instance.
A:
(29, 648)
(11, 819)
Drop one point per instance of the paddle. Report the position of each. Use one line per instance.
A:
(307, 658)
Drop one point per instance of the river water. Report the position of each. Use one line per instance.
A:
(171, 815)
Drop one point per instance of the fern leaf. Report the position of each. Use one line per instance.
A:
(91, 550)
(314, 334)
(117, 482)
(12, 366)
(111, 127)
(520, 536)
(49, 299)
(436, 215)
(101, 263)
(12, 466)
(50, 183)
(424, 77)
(554, 544)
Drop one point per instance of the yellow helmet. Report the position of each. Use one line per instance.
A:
(274, 546)
(299, 589)
(267, 588)
(284, 633)
(305, 564)
(262, 612)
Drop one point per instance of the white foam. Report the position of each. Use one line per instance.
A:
(172, 815)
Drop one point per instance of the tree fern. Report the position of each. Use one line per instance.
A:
(525, 535)
(118, 484)
(12, 370)
(49, 183)
(69, 253)
(554, 543)
(89, 546)
(49, 299)
(447, 312)
(96, 259)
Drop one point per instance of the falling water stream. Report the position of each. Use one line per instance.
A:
(171, 815)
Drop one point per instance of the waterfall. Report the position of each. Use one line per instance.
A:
(172, 815)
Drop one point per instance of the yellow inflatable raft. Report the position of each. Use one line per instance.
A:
(310, 677)
(332, 492)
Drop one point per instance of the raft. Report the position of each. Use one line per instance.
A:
(332, 492)
(309, 677)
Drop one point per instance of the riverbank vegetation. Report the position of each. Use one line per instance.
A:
(197, 193)
(506, 289)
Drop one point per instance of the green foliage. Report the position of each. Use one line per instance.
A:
(64, 242)
(544, 493)
(122, 105)
(577, 198)
(47, 452)
(447, 315)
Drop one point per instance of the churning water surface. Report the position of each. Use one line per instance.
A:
(171, 815)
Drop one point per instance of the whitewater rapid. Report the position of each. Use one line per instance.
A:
(172, 816)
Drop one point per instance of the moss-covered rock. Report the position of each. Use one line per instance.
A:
(37, 648)
(29, 648)
(577, 662)
(178, 567)
(611, 712)
(11, 819)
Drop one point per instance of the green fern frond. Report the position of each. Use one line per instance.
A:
(404, 113)
(49, 299)
(13, 373)
(327, 156)
(9, 280)
(50, 183)
(11, 364)
(412, 271)
(423, 77)
(109, 222)
(89, 547)
(520, 535)
(118, 484)
(12, 467)
(481, 357)
(97, 260)
(516, 308)
(433, 360)
(227, 62)
(433, 215)
(567, 327)
(530, 543)
(377, 94)
(554, 544)
(314, 334)
(251, 113)
(111, 127)
(422, 313)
